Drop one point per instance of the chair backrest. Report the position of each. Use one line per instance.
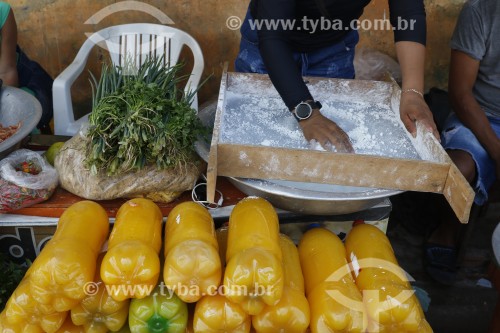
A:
(141, 40)
(128, 42)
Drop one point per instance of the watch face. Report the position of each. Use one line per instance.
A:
(303, 111)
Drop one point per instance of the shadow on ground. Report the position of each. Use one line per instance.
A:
(466, 306)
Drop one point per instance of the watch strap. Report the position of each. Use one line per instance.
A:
(317, 105)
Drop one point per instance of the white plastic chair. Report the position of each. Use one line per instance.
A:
(128, 41)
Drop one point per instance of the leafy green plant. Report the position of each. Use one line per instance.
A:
(10, 275)
(140, 117)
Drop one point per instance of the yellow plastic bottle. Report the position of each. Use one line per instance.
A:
(335, 302)
(192, 262)
(22, 313)
(131, 266)
(254, 272)
(98, 312)
(388, 296)
(58, 275)
(69, 327)
(291, 314)
(216, 314)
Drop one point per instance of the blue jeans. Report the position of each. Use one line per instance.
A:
(334, 61)
(456, 136)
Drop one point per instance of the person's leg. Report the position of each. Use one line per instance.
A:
(448, 231)
(479, 170)
(249, 59)
(470, 156)
(334, 61)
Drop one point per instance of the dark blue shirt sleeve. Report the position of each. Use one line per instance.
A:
(409, 21)
(277, 53)
(276, 43)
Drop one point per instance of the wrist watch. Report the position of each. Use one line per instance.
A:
(304, 110)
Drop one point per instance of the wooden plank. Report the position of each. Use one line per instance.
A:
(459, 194)
(331, 168)
(457, 190)
(213, 155)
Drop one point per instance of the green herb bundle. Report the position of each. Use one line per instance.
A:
(141, 119)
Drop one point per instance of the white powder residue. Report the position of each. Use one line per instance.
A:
(253, 120)
(250, 119)
(266, 143)
(421, 146)
(315, 145)
(428, 151)
(244, 158)
(348, 90)
(246, 84)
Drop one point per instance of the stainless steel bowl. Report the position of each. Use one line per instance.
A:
(16, 106)
(298, 197)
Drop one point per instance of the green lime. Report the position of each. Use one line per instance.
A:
(51, 153)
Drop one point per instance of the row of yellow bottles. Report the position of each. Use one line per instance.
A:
(265, 282)
(253, 229)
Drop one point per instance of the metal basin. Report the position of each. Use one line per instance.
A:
(16, 106)
(304, 198)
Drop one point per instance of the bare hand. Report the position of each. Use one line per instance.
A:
(326, 132)
(412, 109)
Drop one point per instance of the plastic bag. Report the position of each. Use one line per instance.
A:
(157, 185)
(371, 64)
(26, 178)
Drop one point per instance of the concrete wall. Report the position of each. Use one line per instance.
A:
(52, 31)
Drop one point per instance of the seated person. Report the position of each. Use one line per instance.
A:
(17, 70)
(471, 134)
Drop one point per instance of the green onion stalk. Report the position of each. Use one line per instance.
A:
(141, 119)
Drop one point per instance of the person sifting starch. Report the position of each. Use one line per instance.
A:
(289, 39)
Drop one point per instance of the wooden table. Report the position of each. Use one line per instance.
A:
(24, 232)
(62, 199)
